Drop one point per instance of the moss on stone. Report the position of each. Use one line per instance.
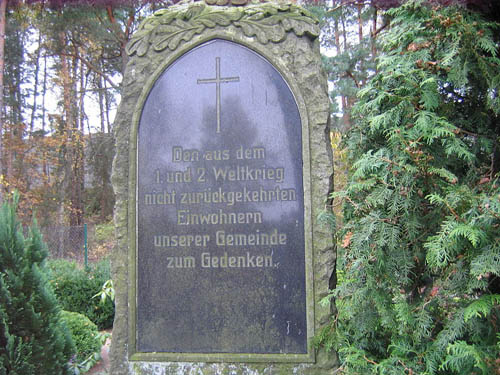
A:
(297, 57)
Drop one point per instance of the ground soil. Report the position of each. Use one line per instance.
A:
(102, 367)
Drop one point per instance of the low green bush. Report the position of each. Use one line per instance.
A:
(33, 338)
(84, 333)
(76, 287)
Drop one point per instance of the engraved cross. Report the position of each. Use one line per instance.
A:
(218, 80)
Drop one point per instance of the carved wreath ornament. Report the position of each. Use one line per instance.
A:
(267, 22)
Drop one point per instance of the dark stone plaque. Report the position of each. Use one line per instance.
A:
(220, 208)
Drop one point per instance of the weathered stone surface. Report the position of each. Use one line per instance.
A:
(220, 220)
(268, 22)
(296, 56)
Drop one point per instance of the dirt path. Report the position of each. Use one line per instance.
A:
(102, 367)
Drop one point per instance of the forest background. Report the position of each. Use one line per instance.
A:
(415, 120)
(61, 65)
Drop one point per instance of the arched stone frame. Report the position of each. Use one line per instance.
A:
(308, 86)
(222, 357)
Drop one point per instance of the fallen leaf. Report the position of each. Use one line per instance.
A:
(347, 240)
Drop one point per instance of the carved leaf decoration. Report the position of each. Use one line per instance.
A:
(182, 24)
(270, 8)
(273, 20)
(171, 35)
(160, 13)
(278, 34)
(219, 18)
(267, 22)
(300, 28)
(249, 29)
(264, 33)
(284, 7)
(193, 11)
(166, 20)
(208, 22)
(139, 44)
(174, 42)
(143, 46)
(301, 19)
(256, 17)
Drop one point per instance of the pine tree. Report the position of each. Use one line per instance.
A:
(348, 33)
(33, 339)
(420, 268)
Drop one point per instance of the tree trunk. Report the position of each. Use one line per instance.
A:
(68, 122)
(360, 23)
(107, 106)
(3, 11)
(122, 35)
(45, 166)
(346, 119)
(35, 88)
(344, 32)
(360, 37)
(101, 103)
(76, 139)
(80, 146)
(337, 36)
(374, 33)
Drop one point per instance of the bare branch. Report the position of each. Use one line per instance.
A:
(93, 68)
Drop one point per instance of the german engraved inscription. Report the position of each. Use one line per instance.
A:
(220, 208)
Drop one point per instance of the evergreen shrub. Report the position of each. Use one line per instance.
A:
(33, 338)
(84, 333)
(76, 287)
(420, 243)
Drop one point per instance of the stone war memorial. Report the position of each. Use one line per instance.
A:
(222, 168)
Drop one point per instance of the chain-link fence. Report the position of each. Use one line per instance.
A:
(78, 243)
